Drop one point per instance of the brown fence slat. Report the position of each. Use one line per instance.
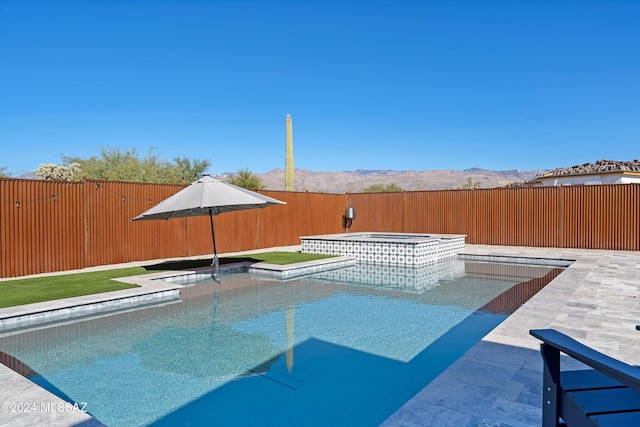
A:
(56, 226)
(380, 212)
(41, 227)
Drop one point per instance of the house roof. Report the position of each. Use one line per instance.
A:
(599, 167)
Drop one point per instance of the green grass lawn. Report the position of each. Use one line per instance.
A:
(279, 258)
(38, 289)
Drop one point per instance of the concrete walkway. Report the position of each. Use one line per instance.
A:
(496, 383)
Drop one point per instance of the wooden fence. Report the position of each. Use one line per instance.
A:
(48, 226)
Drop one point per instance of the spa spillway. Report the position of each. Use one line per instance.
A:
(405, 249)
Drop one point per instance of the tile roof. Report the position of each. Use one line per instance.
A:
(600, 166)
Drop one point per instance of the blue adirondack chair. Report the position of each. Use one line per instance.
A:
(607, 395)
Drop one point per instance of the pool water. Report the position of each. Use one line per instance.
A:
(260, 352)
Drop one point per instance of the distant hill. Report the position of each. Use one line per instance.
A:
(356, 181)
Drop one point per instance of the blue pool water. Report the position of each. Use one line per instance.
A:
(322, 350)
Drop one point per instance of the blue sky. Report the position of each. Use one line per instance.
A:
(404, 85)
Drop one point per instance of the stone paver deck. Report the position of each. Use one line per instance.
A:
(498, 382)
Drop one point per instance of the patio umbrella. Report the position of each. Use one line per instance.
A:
(208, 197)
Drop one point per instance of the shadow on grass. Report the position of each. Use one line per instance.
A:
(196, 263)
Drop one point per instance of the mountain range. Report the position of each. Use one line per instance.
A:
(356, 181)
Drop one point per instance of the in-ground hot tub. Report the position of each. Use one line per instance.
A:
(406, 249)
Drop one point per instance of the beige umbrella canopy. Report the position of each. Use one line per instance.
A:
(208, 197)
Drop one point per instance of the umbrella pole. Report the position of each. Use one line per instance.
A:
(215, 303)
(215, 263)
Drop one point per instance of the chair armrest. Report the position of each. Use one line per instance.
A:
(619, 371)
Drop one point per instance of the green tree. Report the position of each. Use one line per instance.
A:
(114, 164)
(58, 172)
(189, 170)
(471, 185)
(4, 173)
(246, 179)
(383, 188)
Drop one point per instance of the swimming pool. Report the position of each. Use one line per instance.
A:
(255, 351)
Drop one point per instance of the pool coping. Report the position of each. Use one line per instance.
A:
(265, 269)
(41, 314)
(498, 381)
(365, 236)
(543, 261)
(291, 271)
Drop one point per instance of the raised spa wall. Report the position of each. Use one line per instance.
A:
(403, 249)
